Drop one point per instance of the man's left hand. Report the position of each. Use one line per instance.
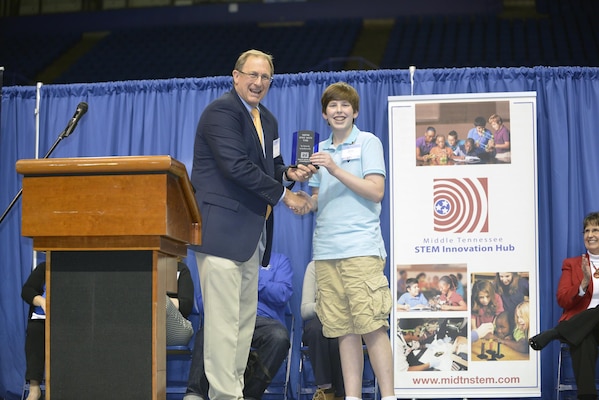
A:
(301, 173)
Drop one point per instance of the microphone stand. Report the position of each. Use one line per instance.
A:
(18, 195)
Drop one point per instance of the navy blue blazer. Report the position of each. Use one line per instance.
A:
(233, 180)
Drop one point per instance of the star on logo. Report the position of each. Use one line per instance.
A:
(442, 207)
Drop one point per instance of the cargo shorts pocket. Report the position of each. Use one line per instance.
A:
(380, 294)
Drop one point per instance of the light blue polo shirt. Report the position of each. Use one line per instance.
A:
(348, 225)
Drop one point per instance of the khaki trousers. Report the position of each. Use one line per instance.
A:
(230, 297)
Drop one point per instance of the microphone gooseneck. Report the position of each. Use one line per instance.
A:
(81, 109)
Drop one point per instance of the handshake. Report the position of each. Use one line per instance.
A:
(299, 202)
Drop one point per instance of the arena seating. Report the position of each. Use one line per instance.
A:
(564, 35)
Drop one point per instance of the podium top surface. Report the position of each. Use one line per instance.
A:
(109, 196)
(112, 165)
(99, 165)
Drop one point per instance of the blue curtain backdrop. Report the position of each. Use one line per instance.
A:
(159, 117)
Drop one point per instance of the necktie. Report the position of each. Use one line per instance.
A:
(258, 125)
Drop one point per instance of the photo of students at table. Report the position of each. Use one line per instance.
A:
(504, 343)
(465, 142)
(431, 344)
(490, 304)
(412, 299)
(431, 287)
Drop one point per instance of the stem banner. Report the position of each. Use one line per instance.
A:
(464, 244)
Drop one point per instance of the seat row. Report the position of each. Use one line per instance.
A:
(555, 39)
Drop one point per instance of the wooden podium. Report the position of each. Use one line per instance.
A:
(112, 229)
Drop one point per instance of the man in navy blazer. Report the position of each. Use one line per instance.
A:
(238, 175)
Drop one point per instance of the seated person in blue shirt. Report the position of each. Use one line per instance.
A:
(412, 298)
(483, 138)
(270, 341)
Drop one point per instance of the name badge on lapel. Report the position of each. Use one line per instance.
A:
(276, 147)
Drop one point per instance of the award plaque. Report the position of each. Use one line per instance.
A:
(305, 143)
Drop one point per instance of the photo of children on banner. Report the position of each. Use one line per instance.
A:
(492, 301)
(431, 344)
(505, 343)
(513, 287)
(431, 287)
(402, 276)
(486, 303)
(449, 299)
(440, 154)
(468, 141)
(482, 136)
(412, 299)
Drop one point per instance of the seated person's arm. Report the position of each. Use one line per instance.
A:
(308, 306)
(420, 156)
(33, 289)
(424, 303)
(185, 292)
(461, 306)
(420, 367)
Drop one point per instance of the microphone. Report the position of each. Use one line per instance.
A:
(81, 109)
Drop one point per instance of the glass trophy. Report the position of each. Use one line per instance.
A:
(305, 143)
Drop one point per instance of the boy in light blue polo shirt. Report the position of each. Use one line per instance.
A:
(354, 300)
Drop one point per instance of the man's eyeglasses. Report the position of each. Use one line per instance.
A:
(254, 75)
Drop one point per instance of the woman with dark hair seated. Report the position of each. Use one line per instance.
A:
(578, 295)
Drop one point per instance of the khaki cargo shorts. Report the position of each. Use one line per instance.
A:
(353, 295)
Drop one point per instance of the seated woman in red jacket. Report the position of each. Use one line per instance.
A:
(578, 295)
